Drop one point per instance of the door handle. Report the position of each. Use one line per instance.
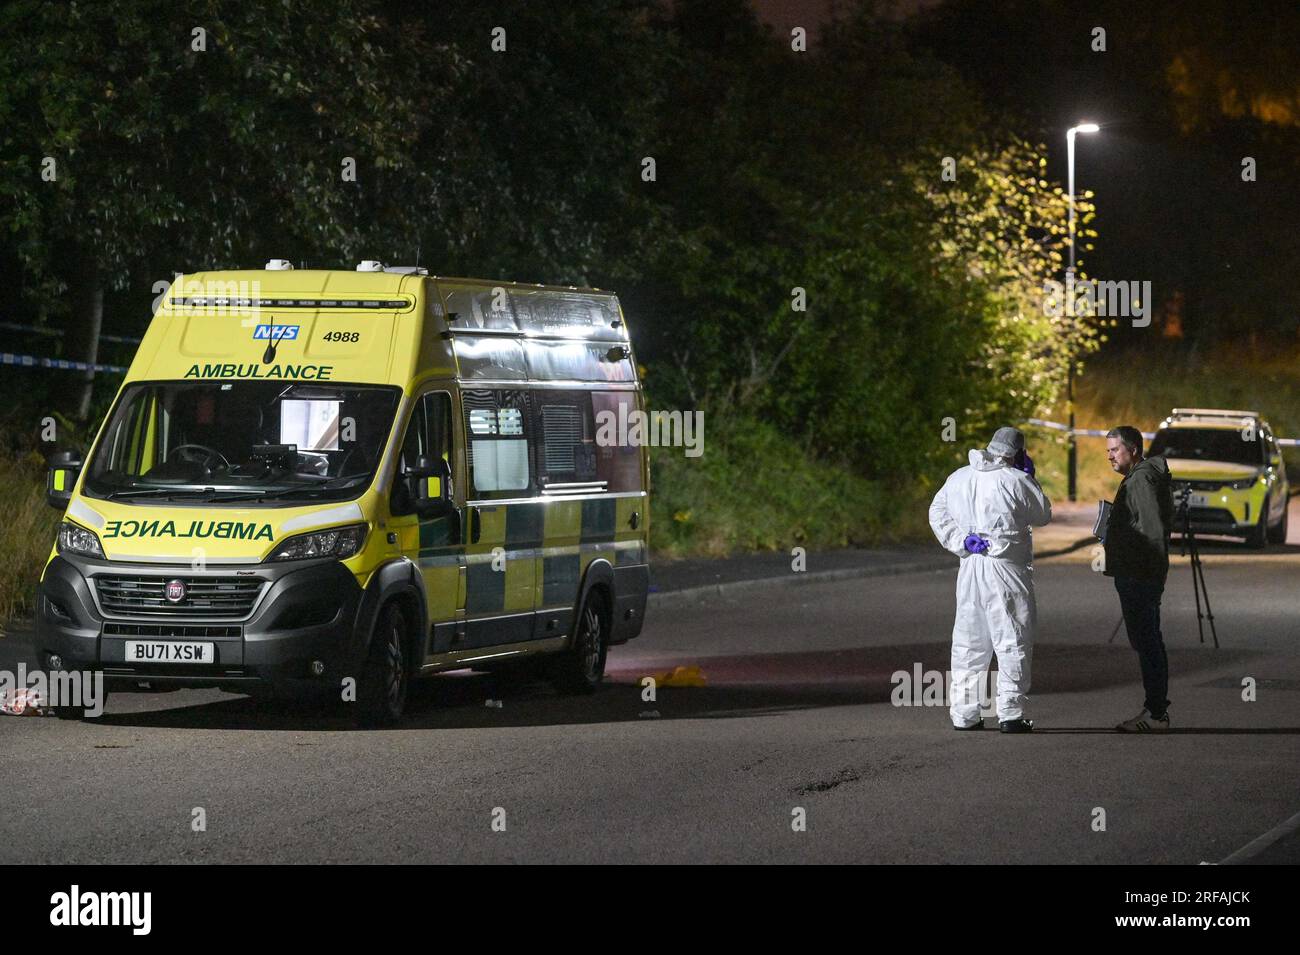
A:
(475, 525)
(634, 520)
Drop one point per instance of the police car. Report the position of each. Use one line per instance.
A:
(1231, 465)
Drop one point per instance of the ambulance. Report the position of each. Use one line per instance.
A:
(341, 481)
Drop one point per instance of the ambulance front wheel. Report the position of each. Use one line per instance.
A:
(386, 674)
(580, 668)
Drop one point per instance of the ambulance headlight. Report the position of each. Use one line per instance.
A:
(78, 540)
(338, 542)
(1245, 484)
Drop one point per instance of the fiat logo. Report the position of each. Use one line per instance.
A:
(175, 591)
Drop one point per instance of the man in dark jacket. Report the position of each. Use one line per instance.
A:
(1137, 556)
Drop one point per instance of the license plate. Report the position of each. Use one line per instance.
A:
(1199, 500)
(169, 651)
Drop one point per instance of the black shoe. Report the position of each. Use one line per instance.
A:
(967, 729)
(1018, 726)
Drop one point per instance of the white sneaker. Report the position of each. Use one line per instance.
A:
(1144, 722)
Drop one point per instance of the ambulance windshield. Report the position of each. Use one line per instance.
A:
(219, 441)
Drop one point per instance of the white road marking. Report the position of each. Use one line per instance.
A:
(1256, 846)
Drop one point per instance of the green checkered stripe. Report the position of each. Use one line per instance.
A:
(546, 547)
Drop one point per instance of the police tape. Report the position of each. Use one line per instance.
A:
(1148, 435)
(32, 361)
(56, 332)
(1081, 432)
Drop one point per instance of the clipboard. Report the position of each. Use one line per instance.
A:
(1103, 519)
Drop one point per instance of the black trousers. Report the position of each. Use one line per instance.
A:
(1139, 600)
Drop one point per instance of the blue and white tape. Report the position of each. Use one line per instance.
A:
(1081, 432)
(57, 332)
(32, 361)
(1148, 435)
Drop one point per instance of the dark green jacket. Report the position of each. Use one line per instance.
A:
(1137, 537)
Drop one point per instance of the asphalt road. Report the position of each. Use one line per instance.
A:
(796, 715)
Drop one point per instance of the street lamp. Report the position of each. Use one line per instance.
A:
(1073, 477)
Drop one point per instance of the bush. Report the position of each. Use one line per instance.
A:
(753, 488)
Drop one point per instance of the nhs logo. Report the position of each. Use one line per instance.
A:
(277, 332)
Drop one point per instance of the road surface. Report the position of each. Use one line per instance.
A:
(795, 722)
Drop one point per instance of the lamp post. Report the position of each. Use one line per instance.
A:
(1073, 466)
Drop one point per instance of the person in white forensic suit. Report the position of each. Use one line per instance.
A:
(984, 514)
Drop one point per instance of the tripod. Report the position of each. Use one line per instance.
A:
(1199, 589)
(1198, 570)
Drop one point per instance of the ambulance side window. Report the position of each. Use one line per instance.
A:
(500, 450)
(428, 435)
(133, 440)
(620, 437)
(566, 437)
(437, 412)
(416, 439)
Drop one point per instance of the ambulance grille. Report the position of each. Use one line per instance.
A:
(190, 631)
(204, 596)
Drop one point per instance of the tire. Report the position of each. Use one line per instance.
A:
(1257, 536)
(1278, 535)
(386, 675)
(579, 669)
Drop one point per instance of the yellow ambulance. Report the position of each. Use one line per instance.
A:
(344, 480)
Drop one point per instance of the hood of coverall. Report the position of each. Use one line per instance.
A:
(981, 460)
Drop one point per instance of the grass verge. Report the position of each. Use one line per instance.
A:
(27, 528)
(754, 489)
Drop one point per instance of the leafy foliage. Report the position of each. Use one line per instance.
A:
(925, 297)
(776, 171)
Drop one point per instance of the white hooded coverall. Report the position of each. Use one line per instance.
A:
(995, 590)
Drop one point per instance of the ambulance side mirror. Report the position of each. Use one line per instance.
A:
(429, 483)
(64, 467)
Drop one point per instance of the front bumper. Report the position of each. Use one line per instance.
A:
(1211, 520)
(1223, 510)
(304, 612)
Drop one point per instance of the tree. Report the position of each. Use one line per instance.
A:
(198, 132)
(823, 173)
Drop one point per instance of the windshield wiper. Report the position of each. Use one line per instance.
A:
(203, 494)
(311, 490)
(211, 494)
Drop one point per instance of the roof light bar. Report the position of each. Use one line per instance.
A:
(1212, 413)
(216, 301)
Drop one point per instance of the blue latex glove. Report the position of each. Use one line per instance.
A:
(975, 544)
(1025, 463)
